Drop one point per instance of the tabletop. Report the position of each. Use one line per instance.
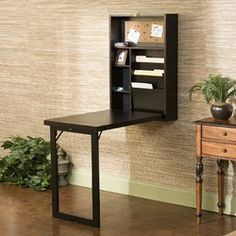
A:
(212, 121)
(101, 120)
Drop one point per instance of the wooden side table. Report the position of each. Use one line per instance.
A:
(217, 140)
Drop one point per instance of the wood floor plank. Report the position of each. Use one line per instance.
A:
(25, 212)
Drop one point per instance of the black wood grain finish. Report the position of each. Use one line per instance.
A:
(163, 96)
(101, 120)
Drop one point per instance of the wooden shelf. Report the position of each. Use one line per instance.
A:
(146, 77)
(152, 47)
(125, 66)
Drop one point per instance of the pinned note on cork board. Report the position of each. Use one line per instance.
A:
(150, 31)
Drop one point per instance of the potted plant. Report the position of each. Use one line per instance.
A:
(220, 92)
(28, 163)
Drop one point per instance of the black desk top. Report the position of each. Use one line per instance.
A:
(101, 120)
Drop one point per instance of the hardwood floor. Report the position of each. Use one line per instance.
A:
(25, 212)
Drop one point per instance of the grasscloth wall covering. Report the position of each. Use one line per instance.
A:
(54, 62)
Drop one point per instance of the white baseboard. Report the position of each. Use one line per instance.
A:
(82, 177)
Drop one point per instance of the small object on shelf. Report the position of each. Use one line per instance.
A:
(120, 90)
(121, 44)
(145, 59)
(155, 72)
(121, 57)
(142, 85)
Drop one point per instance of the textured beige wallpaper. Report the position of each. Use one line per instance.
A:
(54, 62)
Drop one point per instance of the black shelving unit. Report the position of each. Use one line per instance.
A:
(163, 97)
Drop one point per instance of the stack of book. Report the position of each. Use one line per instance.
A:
(155, 72)
(146, 59)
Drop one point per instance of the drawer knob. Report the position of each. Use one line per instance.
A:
(224, 150)
(225, 133)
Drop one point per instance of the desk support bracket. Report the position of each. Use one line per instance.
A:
(99, 134)
(59, 135)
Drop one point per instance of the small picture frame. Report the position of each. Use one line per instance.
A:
(121, 56)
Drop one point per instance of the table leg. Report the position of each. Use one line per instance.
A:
(220, 174)
(199, 173)
(95, 221)
(54, 176)
(95, 179)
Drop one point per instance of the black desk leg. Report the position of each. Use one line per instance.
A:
(95, 179)
(95, 221)
(54, 169)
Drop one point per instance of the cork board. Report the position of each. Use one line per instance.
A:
(144, 28)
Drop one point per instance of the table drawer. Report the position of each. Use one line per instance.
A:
(218, 149)
(219, 133)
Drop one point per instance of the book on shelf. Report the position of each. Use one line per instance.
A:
(141, 85)
(155, 72)
(146, 59)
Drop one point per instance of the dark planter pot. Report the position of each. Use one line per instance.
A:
(222, 112)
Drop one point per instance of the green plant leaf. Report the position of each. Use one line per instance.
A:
(7, 144)
(216, 88)
(26, 164)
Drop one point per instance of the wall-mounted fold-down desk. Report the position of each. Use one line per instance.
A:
(93, 124)
(141, 90)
